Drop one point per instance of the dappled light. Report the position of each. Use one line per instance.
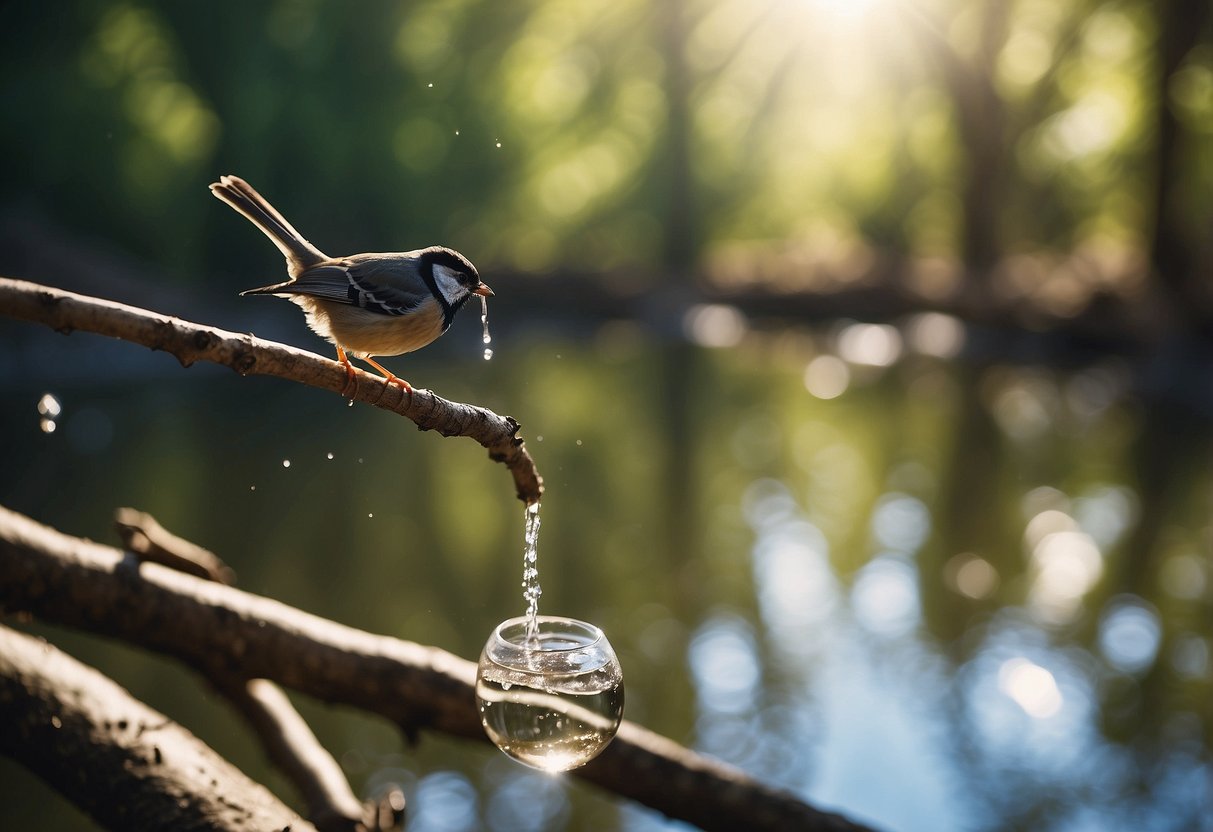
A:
(863, 346)
(1031, 687)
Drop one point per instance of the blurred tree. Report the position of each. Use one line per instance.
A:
(784, 143)
(1182, 218)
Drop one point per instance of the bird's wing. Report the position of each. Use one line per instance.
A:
(384, 284)
(328, 282)
(390, 284)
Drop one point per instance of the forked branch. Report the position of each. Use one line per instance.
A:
(128, 766)
(216, 629)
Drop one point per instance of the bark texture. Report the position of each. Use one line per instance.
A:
(125, 764)
(68, 312)
(218, 629)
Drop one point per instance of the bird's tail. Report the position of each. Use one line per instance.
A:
(299, 253)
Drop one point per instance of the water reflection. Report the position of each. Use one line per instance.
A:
(444, 801)
(884, 597)
(971, 576)
(1030, 686)
(1130, 634)
(932, 596)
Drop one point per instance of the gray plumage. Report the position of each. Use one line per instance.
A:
(369, 304)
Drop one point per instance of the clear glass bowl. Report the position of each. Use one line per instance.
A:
(551, 699)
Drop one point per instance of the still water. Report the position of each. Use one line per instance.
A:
(928, 592)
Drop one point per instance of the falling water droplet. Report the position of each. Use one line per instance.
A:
(370, 514)
(49, 409)
(456, 132)
(350, 403)
(430, 85)
(286, 463)
(329, 455)
(530, 570)
(484, 321)
(499, 144)
(252, 488)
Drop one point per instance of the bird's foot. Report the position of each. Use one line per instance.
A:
(390, 377)
(351, 376)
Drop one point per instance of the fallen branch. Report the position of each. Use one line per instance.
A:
(68, 312)
(288, 740)
(125, 764)
(219, 629)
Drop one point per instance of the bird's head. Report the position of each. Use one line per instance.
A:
(454, 275)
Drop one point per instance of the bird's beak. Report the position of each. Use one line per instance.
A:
(483, 290)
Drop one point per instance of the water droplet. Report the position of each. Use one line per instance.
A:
(49, 406)
(578, 442)
(359, 460)
(430, 85)
(286, 463)
(530, 574)
(350, 403)
(539, 438)
(252, 488)
(49, 409)
(484, 321)
(370, 514)
(329, 455)
(499, 144)
(456, 132)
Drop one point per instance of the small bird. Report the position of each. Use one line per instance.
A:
(365, 304)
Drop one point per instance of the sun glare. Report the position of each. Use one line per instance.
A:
(846, 9)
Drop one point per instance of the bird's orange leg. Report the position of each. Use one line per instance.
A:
(391, 377)
(351, 378)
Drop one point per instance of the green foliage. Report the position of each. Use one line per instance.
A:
(538, 135)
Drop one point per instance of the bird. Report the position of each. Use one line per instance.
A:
(366, 305)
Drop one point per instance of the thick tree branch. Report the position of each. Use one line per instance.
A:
(288, 740)
(217, 629)
(128, 766)
(68, 312)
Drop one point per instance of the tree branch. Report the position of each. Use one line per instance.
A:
(217, 629)
(68, 312)
(288, 740)
(125, 764)
(144, 536)
(294, 749)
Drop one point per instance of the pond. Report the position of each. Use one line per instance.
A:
(927, 590)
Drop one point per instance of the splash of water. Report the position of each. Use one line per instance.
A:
(484, 321)
(530, 572)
